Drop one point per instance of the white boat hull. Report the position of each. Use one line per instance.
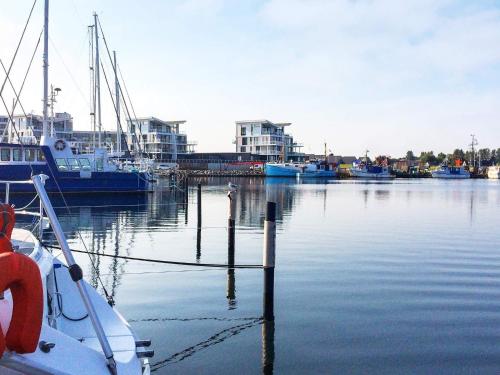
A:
(77, 349)
(494, 173)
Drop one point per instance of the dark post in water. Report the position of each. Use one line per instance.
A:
(199, 206)
(231, 225)
(269, 256)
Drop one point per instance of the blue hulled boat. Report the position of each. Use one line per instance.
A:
(68, 172)
(308, 170)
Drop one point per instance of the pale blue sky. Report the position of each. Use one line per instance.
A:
(383, 75)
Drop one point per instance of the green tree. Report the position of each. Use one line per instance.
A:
(441, 157)
(485, 154)
(458, 154)
(410, 155)
(428, 157)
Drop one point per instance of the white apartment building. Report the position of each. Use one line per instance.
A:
(264, 137)
(159, 140)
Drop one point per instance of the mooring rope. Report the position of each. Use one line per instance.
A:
(214, 265)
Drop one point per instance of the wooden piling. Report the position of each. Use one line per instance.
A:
(269, 256)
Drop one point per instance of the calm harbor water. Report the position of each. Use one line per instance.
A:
(372, 278)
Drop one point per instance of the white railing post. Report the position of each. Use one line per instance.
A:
(74, 270)
(7, 192)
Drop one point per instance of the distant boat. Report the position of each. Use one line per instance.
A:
(447, 172)
(301, 170)
(371, 171)
(365, 169)
(494, 172)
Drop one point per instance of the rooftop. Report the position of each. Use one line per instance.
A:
(152, 118)
(267, 122)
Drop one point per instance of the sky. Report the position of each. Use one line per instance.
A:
(381, 75)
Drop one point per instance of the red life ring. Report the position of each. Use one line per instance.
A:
(7, 221)
(21, 275)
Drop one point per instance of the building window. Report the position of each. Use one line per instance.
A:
(243, 149)
(5, 154)
(243, 130)
(244, 141)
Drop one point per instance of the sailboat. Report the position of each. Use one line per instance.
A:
(69, 172)
(52, 321)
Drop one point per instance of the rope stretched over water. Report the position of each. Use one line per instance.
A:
(214, 265)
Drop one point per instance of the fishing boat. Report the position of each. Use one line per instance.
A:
(456, 172)
(494, 172)
(371, 172)
(305, 170)
(366, 170)
(53, 321)
(69, 172)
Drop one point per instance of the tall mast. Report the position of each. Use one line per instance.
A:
(117, 100)
(97, 80)
(45, 69)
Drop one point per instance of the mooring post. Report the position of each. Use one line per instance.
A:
(199, 206)
(231, 226)
(268, 261)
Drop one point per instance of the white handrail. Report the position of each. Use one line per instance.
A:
(74, 270)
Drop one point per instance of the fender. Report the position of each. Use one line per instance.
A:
(21, 275)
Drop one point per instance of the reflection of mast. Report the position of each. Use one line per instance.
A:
(471, 206)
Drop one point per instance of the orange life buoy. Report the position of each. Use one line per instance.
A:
(21, 275)
(7, 221)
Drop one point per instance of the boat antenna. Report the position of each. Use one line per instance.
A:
(473, 156)
(45, 69)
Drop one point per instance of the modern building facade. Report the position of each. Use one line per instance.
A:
(32, 125)
(263, 137)
(159, 140)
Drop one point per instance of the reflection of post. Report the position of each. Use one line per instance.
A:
(269, 256)
(269, 260)
(231, 294)
(198, 244)
(199, 206)
(231, 289)
(186, 199)
(267, 347)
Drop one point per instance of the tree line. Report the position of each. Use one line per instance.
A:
(485, 155)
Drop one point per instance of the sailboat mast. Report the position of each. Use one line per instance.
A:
(117, 101)
(45, 69)
(97, 81)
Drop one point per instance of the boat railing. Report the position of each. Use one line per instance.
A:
(74, 270)
(23, 211)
